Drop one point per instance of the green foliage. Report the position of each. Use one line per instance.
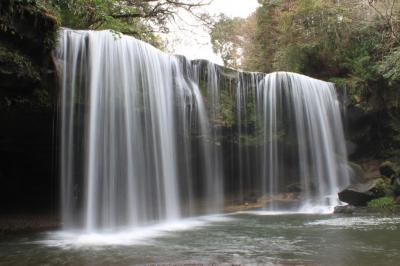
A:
(390, 66)
(384, 202)
(42, 98)
(139, 18)
(226, 105)
(12, 61)
(103, 14)
(226, 40)
(353, 43)
(383, 188)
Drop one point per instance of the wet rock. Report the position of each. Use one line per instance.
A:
(359, 194)
(357, 172)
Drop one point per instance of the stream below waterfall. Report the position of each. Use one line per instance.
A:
(241, 238)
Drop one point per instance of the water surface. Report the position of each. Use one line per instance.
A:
(242, 238)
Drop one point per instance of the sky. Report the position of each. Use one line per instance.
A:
(194, 41)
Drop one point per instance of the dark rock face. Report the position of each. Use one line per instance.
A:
(386, 169)
(395, 182)
(28, 223)
(359, 194)
(372, 134)
(27, 108)
(28, 34)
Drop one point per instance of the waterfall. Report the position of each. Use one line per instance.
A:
(147, 137)
(302, 124)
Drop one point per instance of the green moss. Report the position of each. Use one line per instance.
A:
(384, 202)
(226, 105)
(203, 87)
(13, 62)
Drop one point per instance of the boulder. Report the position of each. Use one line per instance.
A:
(359, 194)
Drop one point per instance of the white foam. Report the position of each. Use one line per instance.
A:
(316, 209)
(135, 236)
(303, 210)
(357, 222)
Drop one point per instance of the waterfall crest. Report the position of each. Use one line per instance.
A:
(148, 137)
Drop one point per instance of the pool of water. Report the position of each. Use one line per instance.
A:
(242, 238)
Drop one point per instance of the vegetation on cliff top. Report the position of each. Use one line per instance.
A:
(139, 18)
(352, 43)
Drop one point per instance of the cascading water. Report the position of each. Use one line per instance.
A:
(147, 137)
(303, 129)
(127, 113)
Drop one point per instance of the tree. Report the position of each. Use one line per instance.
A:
(227, 40)
(140, 18)
(353, 43)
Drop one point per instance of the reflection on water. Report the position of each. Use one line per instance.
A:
(242, 238)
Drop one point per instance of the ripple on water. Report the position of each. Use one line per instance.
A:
(366, 222)
(306, 209)
(236, 239)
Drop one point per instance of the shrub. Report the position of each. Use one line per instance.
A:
(384, 202)
(383, 188)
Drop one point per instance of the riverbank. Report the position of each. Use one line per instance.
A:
(28, 223)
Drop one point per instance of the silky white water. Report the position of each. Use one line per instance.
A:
(146, 137)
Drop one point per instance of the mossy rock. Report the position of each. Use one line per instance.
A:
(28, 33)
(25, 21)
(383, 188)
(387, 169)
(360, 194)
(227, 113)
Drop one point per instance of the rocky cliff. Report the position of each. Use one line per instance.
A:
(27, 98)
